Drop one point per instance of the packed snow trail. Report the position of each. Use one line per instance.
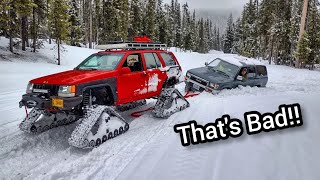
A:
(151, 149)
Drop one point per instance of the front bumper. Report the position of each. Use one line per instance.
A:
(41, 101)
(205, 88)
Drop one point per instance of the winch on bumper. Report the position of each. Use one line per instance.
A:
(199, 86)
(42, 101)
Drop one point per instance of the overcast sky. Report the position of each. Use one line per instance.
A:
(214, 4)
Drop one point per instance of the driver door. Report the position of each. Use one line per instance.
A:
(132, 86)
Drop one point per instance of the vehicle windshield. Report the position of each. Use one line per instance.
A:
(224, 67)
(101, 62)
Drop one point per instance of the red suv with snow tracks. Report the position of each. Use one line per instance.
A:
(112, 77)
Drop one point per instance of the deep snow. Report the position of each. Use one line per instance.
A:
(151, 149)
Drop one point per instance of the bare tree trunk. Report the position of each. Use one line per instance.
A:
(34, 33)
(48, 28)
(58, 42)
(302, 26)
(90, 24)
(23, 32)
(10, 32)
(271, 50)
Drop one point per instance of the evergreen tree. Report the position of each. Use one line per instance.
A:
(296, 11)
(135, 27)
(58, 20)
(186, 28)
(24, 9)
(161, 23)
(229, 36)
(313, 30)
(303, 49)
(178, 38)
(150, 30)
(74, 20)
(201, 42)
(237, 37)
(108, 22)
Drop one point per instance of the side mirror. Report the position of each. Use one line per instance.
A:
(206, 63)
(125, 70)
(239, 78)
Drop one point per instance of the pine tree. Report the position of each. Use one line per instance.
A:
(237, 37)
(313, 30)
(186, 28)
(161, 23)
(135, 27)
(108, 22)
(303, 49)
(178, 38)
(38, 14)
(201, 42)
(229, 36)
(150, 30)
(74, 20)
(58, 20)
(24, 9)
(296, 11)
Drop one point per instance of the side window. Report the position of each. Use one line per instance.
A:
(134, 62)
(251, 72)
(157, 60)
(168, 59)
(262, 71)
(150, 61)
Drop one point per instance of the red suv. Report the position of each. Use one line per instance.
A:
(121, 78)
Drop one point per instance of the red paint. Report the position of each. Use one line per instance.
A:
(142, 39)
(127, 84)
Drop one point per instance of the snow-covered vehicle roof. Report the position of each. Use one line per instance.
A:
(239, 60)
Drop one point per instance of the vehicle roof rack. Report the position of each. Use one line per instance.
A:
(132, 46)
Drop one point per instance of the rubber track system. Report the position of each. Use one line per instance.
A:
(169, 102)
(129, 106)
(39, 121)
(100, 123)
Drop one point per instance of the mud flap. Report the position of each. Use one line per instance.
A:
(101, 123)
(39, 121)
(169, 102)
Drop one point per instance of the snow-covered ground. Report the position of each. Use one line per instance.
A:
(151, 149)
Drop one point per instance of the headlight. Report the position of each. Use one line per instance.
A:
(214, 86)
(188, 75)
(29, 88)
(67, 91)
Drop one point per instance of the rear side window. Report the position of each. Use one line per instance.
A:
(152, 60)
(251, 72)
(168, 59)
(262, 71)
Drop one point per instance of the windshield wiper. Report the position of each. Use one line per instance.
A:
(89, 69)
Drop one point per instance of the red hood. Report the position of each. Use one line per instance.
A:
(74, 77)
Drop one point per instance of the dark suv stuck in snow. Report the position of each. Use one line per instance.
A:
(226, 73)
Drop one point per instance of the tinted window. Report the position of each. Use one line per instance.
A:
(262, 71)
(157, 60)
(251, 72)
(150, 61)
(168, 59)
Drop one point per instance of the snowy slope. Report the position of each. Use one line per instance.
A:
(151, 149)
